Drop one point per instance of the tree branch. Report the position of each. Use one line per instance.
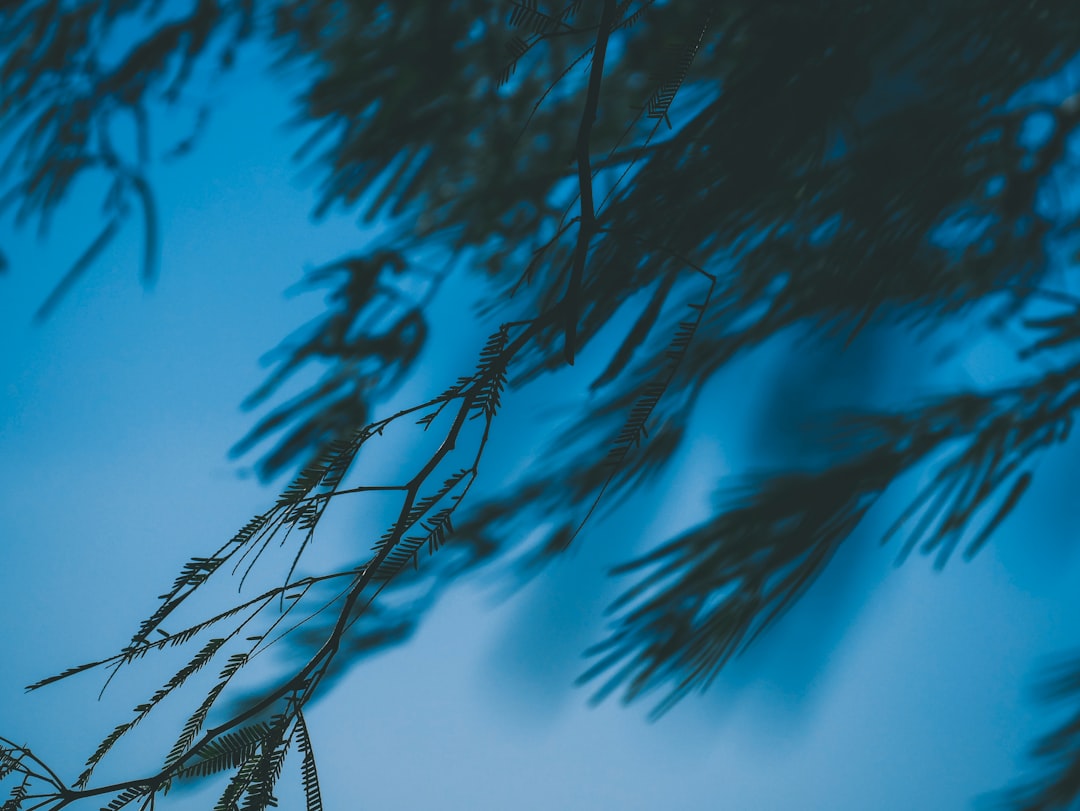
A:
(588, 211)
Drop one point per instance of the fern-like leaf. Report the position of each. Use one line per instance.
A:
(516, 48)
(491, 373)
(101, 751)
(260, 792)
(407, 550)
(339, 456)
(200, 660)
(172, 640)
(126, 797)
(434, 533)
(706, 595)
(636, 426)
(194, 573)
(71, 671)
(635, 18)
(306, 480)
(527, 15)
(228, 751)
(424, 505)
(18, 796)
(197, 663)
(682, 58)
(230, 798)
(8, 762)
(308, 771)
(195, 723)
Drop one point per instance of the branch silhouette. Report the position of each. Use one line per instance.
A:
(832, 167)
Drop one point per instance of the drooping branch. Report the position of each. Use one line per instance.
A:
(473, 397)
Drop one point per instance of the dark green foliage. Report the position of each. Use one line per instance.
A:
(723, 173)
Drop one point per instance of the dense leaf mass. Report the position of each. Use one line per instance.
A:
(693, 180)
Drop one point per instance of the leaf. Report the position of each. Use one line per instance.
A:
(682, 58)
(237, 785)
(309, 774)
(407, 550)
(260, 792)
(197, 663)
(517, 48)
(638, 333)
(227, 751)
(101, 751)
(126, 797)
(195, 723)
(8, 763)
(705, 596)
(491, 373)
(18, 796)
(1017, 491)
(76, 271)
(71, 671)
(526, 15)
(200, 660)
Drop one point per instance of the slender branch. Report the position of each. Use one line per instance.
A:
(53, 778)
(381, 488)
(303, 683)
(588, 212)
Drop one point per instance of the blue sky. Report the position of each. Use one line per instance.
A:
(887, 690)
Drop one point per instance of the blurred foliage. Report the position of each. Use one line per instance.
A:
(705, 177)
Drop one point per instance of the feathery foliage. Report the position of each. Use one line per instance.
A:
(609, 167)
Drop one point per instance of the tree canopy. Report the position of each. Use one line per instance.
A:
(688, 180)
